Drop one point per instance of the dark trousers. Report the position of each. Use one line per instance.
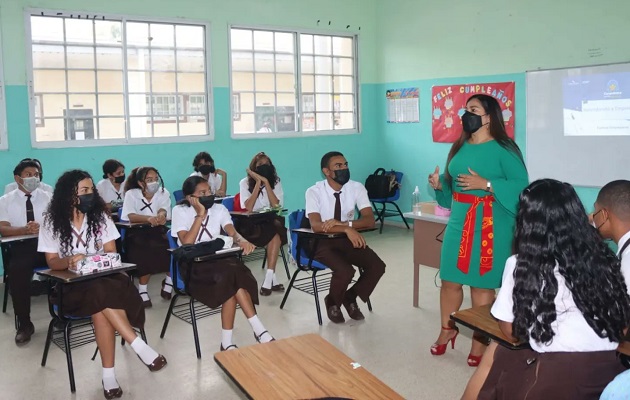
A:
(24, 258)
(339, 255)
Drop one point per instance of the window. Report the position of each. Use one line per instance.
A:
(116, 80)
(3, 121)
(271, 70)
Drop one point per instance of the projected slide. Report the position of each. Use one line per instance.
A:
(597, 105)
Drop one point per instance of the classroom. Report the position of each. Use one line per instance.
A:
(154, 83)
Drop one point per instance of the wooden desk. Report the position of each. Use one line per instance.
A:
(480, 319)
(65, 276)
(308, 232)
(426, 248)
(255, 214)
(301, 367)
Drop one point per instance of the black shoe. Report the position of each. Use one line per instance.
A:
(24, 333)
(334, 312)
(353, 309)
(112, 393)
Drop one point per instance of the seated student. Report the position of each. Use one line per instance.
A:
(262, 189)
(147, 201)
(563, 292)
(330, 207)
(46, 188)
(77, 224)
(21, 213)
(111, 187)
(225, 282)
(217, 178)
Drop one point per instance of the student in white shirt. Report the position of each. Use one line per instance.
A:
(562, 292)
(224, 282)
(204, 166)
(330, 206)
(262, 189)
(43, 186)
(77, 224)
(21, 213)
(147, 201)
(111, 187)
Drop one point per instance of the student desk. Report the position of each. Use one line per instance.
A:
(5, 244)
(255, 214)
(481, 320)
(427, 229)
(65, 276)
(300, 367)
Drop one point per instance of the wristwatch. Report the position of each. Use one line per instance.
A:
(488, 186)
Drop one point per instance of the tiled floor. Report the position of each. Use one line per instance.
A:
(393, 343)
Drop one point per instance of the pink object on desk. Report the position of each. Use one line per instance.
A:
(441, 211)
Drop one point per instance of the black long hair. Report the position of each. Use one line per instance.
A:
(552, 228)
(189, 187)
(252, 166)
(496, 128)
(60, 212)
(138, 174)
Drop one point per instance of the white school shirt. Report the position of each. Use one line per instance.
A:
(135, 203)
(13, 206)
(184, 216)
(572, 332)
(625, 259)
(214, 180)
(13, 186)
(263, 200)
(48, 243)
(108, 192)
(320, 198)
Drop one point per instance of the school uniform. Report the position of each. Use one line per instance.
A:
(13, 186)
(108, 192)
(623, 252)
(214, 180)
(260, 231)
(15, 210)
(115, 291)
(212, 282)
(575, 364)
(338, 254)
(147, 247)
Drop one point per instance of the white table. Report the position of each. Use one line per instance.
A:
(427, 228)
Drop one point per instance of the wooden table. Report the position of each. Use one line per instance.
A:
(427, 249)
(301, 367)
(65, 276)
(480, 319)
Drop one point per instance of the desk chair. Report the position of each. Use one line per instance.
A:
(228, 202)
(307, 264)
(190, 312)
(384, 211)
(179, 195)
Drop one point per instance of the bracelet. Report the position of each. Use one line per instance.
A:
(199, 216)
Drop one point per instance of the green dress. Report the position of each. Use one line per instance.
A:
(508, 175)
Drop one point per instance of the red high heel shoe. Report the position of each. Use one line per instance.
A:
(439, 349)
(474, 361)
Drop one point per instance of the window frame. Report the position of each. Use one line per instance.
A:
(128, 140)
(298, 93)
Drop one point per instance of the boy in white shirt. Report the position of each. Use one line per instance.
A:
(330, 206)
(43, 186)
(21, 213)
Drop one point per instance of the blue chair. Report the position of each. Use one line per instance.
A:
(384, 212)
(228, 202)
(305, 263)
(190, 312)
(179, 195)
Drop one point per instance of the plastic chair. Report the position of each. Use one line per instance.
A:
(190, 312)
(307, 264)
(228, 202)
(179, 195)
(384, 212)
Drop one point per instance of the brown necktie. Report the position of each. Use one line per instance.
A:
(337, 206)
(30, 214)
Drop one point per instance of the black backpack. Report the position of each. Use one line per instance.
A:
(188, 252)
(381, 184)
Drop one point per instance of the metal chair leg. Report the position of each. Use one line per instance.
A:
(6, 292)
(48, 340)
(286, 294)
(95, 353)
(264, 259)
(369, 303)
(143, 335)
(168, 315)
(66, 340)
(193, 319)
(400, 213)
(284, 260)
(316, 294)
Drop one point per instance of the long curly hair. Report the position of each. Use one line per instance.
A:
(552, 229)
(252, 166)
(137, 175)
(60, 212)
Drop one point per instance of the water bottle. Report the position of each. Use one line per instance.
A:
(415, 202)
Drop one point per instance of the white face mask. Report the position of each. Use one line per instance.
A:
(153, 187)
(30, 184)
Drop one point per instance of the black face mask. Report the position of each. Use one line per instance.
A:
(119, 179)
(265, 170)
(342, 176)
(86, 203)
(471, 122)
(206, 169)
(206, 201)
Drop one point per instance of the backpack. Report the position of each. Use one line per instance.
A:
(189, 252)
(381, 184)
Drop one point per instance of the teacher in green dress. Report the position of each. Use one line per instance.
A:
(484, 175)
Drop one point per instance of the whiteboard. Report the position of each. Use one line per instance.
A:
(585, 154)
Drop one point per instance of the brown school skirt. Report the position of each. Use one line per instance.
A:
(214, 282)
(526, 374)
(148, 249)
(260, 231)
(114, 291)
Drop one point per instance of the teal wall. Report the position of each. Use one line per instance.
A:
(435, 43)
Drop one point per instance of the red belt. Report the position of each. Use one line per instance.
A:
(468, 232)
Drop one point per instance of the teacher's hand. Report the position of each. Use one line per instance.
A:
(434, 179)
(471, 182)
